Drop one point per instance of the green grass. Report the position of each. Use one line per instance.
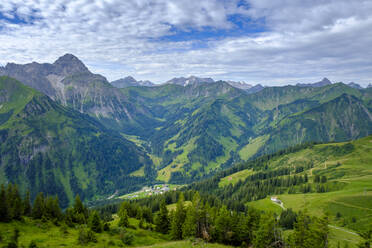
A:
(49, 235)
(173, 206)
(234, 178)
(139, 173)
(349, 206)
(178, 162)
(252, 147)
(46, 234)
(267, 205)
(187, 244)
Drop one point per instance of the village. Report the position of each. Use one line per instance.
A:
(150, 191)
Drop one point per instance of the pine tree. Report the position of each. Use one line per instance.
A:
(78, 205)
(27, 209)
(10, 200)
(95, 223)
(162, 219)
(124, 220)
(4, 209)
(178, 219)
(17, 204)
(80, 212)
(223, 225)
(57, 212)
(300, 231)
(265, 236)
(189, 226)
(38, 209)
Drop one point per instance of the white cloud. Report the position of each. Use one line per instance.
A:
(303, 41)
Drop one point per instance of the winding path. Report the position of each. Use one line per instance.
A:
(331, 226)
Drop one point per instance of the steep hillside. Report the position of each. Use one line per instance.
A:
(69, 82)
(343, 118)
(47, 147)
(330, 178)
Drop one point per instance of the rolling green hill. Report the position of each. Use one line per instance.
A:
(332, 179)
(47, 147)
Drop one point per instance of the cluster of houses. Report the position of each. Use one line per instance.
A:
(156, 189)
(150, 190)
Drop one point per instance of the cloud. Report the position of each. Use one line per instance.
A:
(300, 41)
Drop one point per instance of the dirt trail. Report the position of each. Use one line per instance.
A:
(332, 226)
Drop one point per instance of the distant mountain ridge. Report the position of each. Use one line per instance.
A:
(189, 81)
(324, 82)
(355, 85)
(130, 81)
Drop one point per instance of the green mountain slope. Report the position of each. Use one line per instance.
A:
(330, 178)
(50, 148)
(204, 128)
(192, 131)
(343, 118)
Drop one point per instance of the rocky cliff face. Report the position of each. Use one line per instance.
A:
(130, 81)
(69, 82)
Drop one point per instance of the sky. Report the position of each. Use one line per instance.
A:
(257, 41)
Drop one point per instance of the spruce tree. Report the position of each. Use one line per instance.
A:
(124, 220)
(27, 209)
(95, 223)
(78, 205)
(178, 219)
(162, 219)
(190, 225)
(10, 200)
(223, 225)
(4, 209)
(38, 209)
(80, 212)
(265, 235)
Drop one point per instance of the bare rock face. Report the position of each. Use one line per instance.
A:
(189, 81)
(130, 81)
(354, 85)
(240, 85)
(69, 82)
(324, 82)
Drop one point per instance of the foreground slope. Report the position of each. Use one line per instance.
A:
(333, 178)
(47, 147)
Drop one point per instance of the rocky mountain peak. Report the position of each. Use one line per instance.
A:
(130, 81)
(325, 81)
(70, 64)
(240, 85)
(190, 80)
(354, 85)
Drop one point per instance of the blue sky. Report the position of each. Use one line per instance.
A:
(257, 41)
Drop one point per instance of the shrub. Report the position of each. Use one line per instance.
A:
(106, 227)
(86, 236)
(126, 237)
(32, 244)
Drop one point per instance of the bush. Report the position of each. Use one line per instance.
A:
(86, 236)
(63, 229)
(106, 227)
(126, 237)
(32, 244)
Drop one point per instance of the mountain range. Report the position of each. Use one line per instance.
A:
(130, 81)
(122, 134)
